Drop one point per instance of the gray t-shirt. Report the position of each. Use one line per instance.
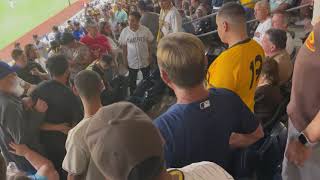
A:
(78, 159)
(151, 21)
(19, 126)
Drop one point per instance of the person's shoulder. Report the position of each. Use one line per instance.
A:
(102, 37)
(44, 84)
(221, 95)
(77, 131)
(153, 14)
(85, 38)
(76, 134)
(254, 45)
(8, 101)
(284, 55)
(169, 115)
(173, 11)
(144, 28)
(126, 30)
(227, 56)
(201, 171)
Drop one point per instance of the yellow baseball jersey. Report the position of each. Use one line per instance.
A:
(238, 69)
(248, 3)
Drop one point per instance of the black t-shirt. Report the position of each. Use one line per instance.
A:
(106, 75)
(267, 99)
(25, 73)
(63, 107)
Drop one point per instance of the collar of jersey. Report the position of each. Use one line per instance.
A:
(241, 42)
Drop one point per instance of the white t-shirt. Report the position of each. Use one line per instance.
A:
(290, 44)
(172, 22)
(78, 159)
(316, 12)
(201, 171)
(42, 49)
(20, 88)
(137, 46)
(262, 29)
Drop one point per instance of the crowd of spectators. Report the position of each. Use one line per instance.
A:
(64, 110)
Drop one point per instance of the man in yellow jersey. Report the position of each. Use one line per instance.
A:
(238, 68)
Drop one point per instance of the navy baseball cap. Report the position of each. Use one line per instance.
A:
(5, 70)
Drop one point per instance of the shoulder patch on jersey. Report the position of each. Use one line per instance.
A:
(310, 42)
(176, 172)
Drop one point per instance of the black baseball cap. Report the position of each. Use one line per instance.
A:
(5, 70)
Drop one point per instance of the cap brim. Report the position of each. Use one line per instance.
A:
(6, 73)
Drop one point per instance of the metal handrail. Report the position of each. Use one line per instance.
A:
(254, 20)
(214, 14)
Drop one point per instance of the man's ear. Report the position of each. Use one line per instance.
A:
(75, 91)
(225, 26)
(165, 78)
(273, 48)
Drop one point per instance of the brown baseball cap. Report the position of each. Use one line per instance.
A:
(120, 137)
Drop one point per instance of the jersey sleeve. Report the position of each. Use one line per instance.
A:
(162, 126)
(76, 160)
(222, 75)
(247, 122)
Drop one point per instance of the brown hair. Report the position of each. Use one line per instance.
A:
(182, 57)
(16, 53)
(27, 50)
(234, 12)
(284, 14)
(278, 37)
(270, 70)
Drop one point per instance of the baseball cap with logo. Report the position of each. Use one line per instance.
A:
(120, 138)
(5, 70)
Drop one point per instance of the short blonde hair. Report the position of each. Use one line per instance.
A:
(182, 57)
(263, 4)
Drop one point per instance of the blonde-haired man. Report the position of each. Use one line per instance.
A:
(199, 126)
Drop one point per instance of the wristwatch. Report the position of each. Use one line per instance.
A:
(303, 139)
